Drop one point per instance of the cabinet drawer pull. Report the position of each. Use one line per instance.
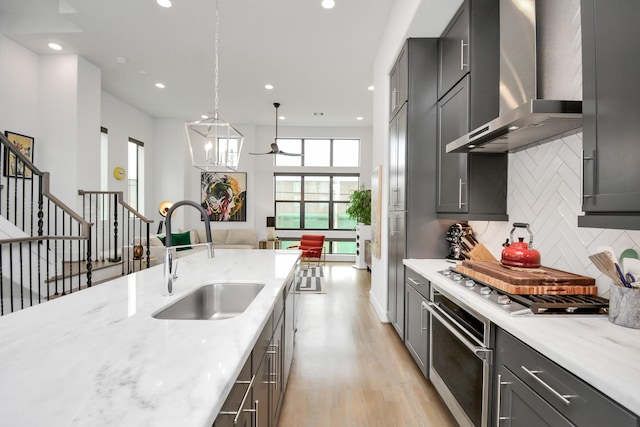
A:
(460, 184)
(423, 307)
(592, 159)
(499, 398)
(244, 399)
(462, 46)
(565, 398)
(414, 281)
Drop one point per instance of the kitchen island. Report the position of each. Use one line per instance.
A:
(599, 352)
(98, 357)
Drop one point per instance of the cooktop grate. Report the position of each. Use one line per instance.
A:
(563, 304)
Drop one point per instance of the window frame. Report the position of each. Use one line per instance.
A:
(331, 151)
(330, 203)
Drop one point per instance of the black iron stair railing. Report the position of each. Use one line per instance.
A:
(39, 236)
(119, 228)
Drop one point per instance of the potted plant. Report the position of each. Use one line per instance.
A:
(360, 206)
(360, 209)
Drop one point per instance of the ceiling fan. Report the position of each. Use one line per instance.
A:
(274, 145)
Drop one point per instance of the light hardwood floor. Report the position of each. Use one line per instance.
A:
(349, 369)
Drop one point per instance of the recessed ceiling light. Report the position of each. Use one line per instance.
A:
(204, 116)
(359, 118)
(268, 86)
(328, 4)
(122, 60)
(164, 3)
(282, 117)
(160, 85)
(370, 88)
(142, 71)
(55, 46)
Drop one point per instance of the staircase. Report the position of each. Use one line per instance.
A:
(46, 249)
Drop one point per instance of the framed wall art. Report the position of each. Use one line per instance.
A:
(15, 167)
(224, 195)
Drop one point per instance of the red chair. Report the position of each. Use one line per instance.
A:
(311, 246)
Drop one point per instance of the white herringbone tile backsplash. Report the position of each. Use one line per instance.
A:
(544, 191)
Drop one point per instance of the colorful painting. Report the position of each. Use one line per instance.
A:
(13, 166)
(224, 195)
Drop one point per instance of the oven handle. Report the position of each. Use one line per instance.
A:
(481, 352)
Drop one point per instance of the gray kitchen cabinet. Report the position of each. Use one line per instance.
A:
(398, 160)
(453, 121)
(395, 289)
(471, 186)
(412, 174)
(257, 396)
(610, 39)
(399, 85)
(531, 390)
(520, 406)
(453, 52)
(417, 319)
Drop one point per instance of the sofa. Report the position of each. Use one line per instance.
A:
(244, 238)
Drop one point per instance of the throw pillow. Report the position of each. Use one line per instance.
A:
(178, 239)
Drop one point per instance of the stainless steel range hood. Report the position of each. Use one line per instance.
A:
(540, 77)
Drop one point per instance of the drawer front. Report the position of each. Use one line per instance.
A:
(417, 282)
(568, 394)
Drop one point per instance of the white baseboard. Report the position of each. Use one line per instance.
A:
(382, 313)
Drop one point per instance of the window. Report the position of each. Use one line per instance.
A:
(135, 174)
(314, 201)
(319, 152)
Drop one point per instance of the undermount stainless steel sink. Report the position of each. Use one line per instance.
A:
(214, 301)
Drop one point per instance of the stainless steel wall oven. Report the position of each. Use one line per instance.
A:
(461, 357)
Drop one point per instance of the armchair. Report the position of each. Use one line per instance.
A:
(311, 246)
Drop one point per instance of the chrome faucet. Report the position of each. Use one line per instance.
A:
(169, 268)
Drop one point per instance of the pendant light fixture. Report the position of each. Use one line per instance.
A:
(214, 144)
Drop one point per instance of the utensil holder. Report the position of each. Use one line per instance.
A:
(624, 306)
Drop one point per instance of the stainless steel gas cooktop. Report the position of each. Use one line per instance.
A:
(530, 304)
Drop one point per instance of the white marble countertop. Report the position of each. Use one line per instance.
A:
(97, 357)
(603, 354)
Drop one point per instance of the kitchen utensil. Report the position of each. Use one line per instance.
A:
(628, 254)
(603, 262)
(520, 254)
(609, 251)
(624, 278)
(632, 266)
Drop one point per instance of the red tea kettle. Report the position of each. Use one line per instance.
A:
(520, 254)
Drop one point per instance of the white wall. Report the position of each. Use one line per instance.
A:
(123, 121)
(19, 90)
(392, 41)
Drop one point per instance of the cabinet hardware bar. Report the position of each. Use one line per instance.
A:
(498, 400)
(565, 398)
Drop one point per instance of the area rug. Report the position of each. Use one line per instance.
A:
(311, 280)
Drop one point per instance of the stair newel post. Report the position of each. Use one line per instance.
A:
(115, 258)
(148, 249)
(89, 265)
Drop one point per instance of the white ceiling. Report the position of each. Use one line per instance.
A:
(318, 60)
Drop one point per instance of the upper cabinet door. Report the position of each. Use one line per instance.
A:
(453, 121)
(611, 111)
(454, 51)
(399, 87)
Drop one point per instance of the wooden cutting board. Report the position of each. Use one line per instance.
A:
(540, 281)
